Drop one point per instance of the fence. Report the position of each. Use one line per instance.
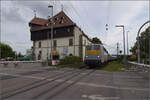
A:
(22, 64)
(133, 66)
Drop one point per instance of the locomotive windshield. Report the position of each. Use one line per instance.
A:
(96, 47)
(93, 47)
(89, 47)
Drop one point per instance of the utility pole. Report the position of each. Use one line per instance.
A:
(124, 59)
(117, 49)
(50, 6)
(127, 44)
(149, 44)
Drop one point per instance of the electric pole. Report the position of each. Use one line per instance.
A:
(124, 59)
(149, 44)
(117, 49)
(51, 24)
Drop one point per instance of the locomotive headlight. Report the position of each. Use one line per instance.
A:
(98, 56)
(86, 56)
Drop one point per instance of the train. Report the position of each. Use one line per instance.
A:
(96, 54)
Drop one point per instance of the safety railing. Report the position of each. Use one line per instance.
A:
(38, 63)
(133, 66)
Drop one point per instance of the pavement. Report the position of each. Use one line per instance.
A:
(44, 83)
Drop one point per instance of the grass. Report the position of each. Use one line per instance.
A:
(69, 65)
(113, 66)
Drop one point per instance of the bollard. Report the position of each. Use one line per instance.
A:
(15, 64)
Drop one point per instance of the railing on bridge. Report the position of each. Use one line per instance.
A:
(133, 66)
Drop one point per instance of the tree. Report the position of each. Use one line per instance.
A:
(6, 51)
(144, 44)
(96, 40)
(19, 54)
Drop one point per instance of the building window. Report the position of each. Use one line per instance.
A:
(85, 42)
(70, 42)
(39, 44)
(33, 44)
(55, 32)
(62, 18)
(55, 43)
(56, 18)
(39, 55)
(68, 29)
(60, 22)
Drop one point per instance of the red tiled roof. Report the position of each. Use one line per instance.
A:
(59, 20)
(38, 21)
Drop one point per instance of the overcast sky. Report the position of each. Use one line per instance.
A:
(91, 16)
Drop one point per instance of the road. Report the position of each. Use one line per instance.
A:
(43, 83)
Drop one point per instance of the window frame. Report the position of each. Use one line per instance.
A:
(70, 42)
(40, 44)
(55, 43)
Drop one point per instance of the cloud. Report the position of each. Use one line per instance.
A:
(91, 16)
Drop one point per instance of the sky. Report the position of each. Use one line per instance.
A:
(90, 16)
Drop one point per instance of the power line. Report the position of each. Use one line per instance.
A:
(80, 18)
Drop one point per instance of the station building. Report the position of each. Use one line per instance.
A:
(68, 38)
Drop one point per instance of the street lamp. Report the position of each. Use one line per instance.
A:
(124, 59)
(127, 44)
(138, 41)
(50, 6)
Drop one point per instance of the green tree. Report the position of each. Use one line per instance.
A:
(96, 40)
(19, 54)
(144, 44)
(6, 51)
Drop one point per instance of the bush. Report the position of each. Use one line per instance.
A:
(70, 60)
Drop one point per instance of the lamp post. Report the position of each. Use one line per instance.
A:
(124, 58)
(50, 6)
(138, 40)
(127, 44)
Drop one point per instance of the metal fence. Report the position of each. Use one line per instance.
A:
(23, 64)
(133, 66)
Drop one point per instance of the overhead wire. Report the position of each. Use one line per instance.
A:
(81, 20)
(85, 23)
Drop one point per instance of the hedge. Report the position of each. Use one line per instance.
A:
(70, 60)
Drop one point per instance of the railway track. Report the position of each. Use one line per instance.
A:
(66, 87)
(39, 83)
(35, 82)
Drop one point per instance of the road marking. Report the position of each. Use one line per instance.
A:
(117, 76)
(99, 97)
(112, 87)
(83, 83)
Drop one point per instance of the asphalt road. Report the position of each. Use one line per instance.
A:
(44, 83)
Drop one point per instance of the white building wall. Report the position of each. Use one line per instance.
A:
(85, 41)
(77, 33)
(63, 43)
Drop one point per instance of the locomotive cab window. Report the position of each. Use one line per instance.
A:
(89, 47)
(96, 47)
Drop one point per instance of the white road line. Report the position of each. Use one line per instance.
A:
(139, 77)
(83, 83)
(112, 87)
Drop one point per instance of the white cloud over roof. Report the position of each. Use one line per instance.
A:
(91, 16)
